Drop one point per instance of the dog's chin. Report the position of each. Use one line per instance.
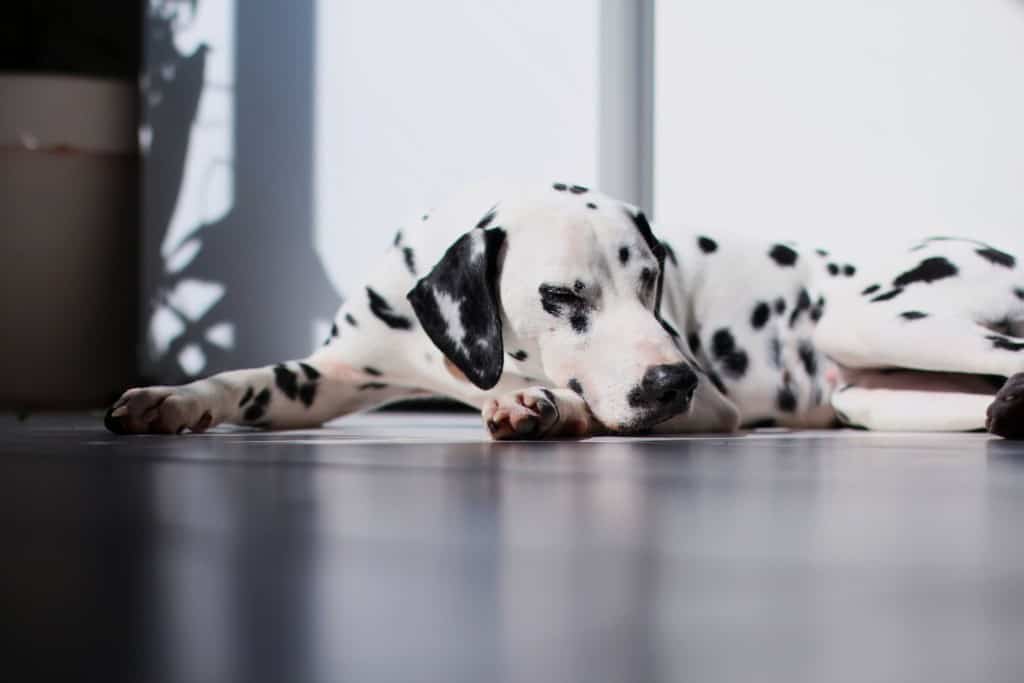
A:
(645, 422)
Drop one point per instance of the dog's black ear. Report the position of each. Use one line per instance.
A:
(457, 304)
(656, 247)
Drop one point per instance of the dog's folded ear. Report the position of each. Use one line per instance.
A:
(656, 247)
(457, 305)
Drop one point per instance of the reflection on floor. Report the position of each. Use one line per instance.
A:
(401, 547)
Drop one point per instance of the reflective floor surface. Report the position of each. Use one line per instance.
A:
(405, 547)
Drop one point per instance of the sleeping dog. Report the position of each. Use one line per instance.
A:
(557, 311)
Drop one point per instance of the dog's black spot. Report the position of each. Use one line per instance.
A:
(722, 343)
(785, 400)
(580, 322)
(928, 271)
(693, 339)
(833, 269)
(1000, 258)
(310, 372)
(849, 270)
(246, 397)
(519, 355)
(808, 357)
(487, 219)
(334, 330)
(803, 302)
(410, 259)
(783, 255)
(821, 252)
(818, 309)
(398, 238)
(780, 306)
(623, 255)
(775, 352)
(707, 245)
(1020, 293)
(425, 216)
(647, 279)
(759, 318)
(913, 315)
(307, 393)
(574, 384)
(382, 309)
(561, 187)
(1005, 343)
(870, 290)
(891, 294)
(734, 361)
(372, 385)
(668, 328)
(351, 320)
(370, 370)
(287, 381)
(591, 205)
(577, 189)
(258, 407)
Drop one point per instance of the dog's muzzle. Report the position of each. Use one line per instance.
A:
(665, 391)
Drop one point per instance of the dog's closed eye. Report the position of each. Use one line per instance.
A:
(559, 300)
(560, 293)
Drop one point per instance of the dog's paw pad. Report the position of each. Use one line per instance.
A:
(158, 410)
(526, 414)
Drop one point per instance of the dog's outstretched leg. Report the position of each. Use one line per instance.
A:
(1005, 416)
(295, 394)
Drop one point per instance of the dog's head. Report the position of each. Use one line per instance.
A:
(570, 287)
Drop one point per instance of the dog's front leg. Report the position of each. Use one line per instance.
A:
(289, 395)
(538, 413)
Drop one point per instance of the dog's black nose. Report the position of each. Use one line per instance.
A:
(666, 387)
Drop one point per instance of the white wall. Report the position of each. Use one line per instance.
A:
(841, 122)
(416, 99)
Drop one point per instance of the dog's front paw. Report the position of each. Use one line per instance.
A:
(536, 413)
(159, 410)
(1005, 415)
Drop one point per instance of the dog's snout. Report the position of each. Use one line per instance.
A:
(666, 386)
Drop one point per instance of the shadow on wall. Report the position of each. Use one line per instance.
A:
(231, 276)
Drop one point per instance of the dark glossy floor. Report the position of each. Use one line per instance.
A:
(402, 547)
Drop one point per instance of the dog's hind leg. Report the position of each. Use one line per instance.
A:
(921, 341)
(905, 410)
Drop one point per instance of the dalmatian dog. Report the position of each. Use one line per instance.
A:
(557, 312)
